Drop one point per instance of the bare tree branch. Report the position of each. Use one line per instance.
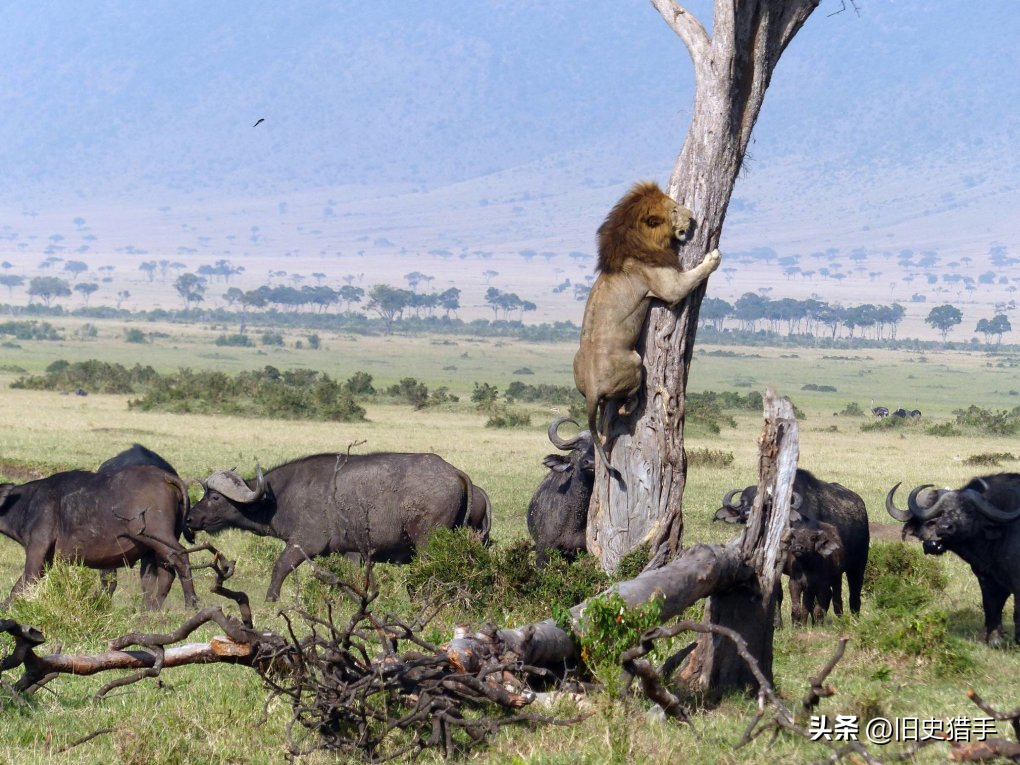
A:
(687, 27)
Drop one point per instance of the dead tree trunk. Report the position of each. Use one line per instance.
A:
(732, 68)
(749, 608)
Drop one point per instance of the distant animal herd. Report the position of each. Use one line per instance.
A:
(135, 508)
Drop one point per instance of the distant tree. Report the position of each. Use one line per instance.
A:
(318, 276)
(415, 278)
(944, 318)
(527, 254)
(76, 268)
(998, 325)
(489, 275)
(389, 302)
(86, 289)
(232, 295)
(715, 311)
(149, 267)
(191, 288)
(10, 281)
(350, 294)
(47, 288)
(121, 297)
(449, 300)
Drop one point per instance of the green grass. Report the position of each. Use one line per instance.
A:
(212, 714)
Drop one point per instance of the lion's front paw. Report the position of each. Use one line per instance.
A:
(712, 260)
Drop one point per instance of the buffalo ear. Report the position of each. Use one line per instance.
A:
(729, 515)
(827, 547)
(558, 463)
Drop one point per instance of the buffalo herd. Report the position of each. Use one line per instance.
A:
(135, 508)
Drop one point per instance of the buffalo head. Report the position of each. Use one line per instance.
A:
(580, 451)
(735, 510)
(228, 502)
(944, 518)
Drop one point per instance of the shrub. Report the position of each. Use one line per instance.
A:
(999, 423)
(271, 338)
(314, 342)
(819, 388)
(484, 396)
(490, 580)
(134, 335)
(360, 384)
(543, 393)
(853, 409)
(709, 458)
(240, 341)
(506, 417)
(942, 429)
(92, 376)
(990, 459)
(414, 392)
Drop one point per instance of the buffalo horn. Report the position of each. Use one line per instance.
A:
(796, 500)
(561, 443)
(890, 506)
(929, 508)
(988, 509)
(232, 486)
(728, 500)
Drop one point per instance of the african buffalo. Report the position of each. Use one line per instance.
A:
(558, 511)
(383, 505)
(977, 522)
(820, 502)
(102, 520)
(815, 564)
(132, 457)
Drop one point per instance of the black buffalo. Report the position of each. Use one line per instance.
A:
(978, 523)
(102, 520)
(132, 457)
(820, 502)
(558, 511)
(383, 505)
(815, 562)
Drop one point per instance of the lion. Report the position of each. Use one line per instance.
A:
(637, 261)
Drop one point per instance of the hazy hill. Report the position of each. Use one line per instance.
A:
(447, 140)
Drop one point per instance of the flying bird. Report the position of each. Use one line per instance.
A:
(260, 121)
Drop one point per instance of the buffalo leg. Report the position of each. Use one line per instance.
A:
(855, 583)
(796, 601)
(36, 559)
(993, 598)
(173, 557)
(291, 557)
(156, 581)
(108, 580)
(836, 585)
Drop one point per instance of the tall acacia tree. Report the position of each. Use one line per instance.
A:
(733, 67)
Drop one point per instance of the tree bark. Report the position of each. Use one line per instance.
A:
(749, 608)
(732, 68)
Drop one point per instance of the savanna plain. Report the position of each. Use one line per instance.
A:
(913, 654)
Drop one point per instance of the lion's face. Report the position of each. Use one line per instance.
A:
(664, 221)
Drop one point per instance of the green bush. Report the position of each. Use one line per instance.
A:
(941, 429)
(990, 459)
(853, 409)
(134, 335)
(240, 341)
(493, 580)
(271, 338)
(92, 376)
(998, 423)
(709, 458)
(314, 341)
(410, 390)
(506, 417)
(360, 384)
(484, 396)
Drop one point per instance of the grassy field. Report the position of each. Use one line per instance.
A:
(215, 714)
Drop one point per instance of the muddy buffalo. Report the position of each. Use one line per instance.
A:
(104, 521)
(978, 522)
(381, 505)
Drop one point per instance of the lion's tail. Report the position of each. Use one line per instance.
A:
(596, 432)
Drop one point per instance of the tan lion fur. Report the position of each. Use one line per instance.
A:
(637, 262)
